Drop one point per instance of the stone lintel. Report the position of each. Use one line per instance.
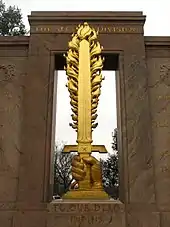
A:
(157, 41)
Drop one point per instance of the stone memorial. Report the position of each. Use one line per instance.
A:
(27, 66)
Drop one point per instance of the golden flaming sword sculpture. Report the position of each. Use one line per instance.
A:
(83, 68)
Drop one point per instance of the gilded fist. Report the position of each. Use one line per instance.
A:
(79, 170)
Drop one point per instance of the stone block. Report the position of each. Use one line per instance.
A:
(8, 188)
(6, 219)
(86, 213)
(165, 219)
(143, 219)
(32, 218)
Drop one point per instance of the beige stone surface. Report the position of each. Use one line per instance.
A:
(27, 218)
(160, 111)
(86, 213)
(6, 218)
(143, 219)
(12, 72)
(165, 219)
(27, 67)
(8, 189)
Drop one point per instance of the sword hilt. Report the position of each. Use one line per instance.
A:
(85, 184)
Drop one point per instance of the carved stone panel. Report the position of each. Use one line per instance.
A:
(165, 74)
(159, 82)
(11, 86)
(76, 214)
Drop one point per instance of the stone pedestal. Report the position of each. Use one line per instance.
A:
(86, 213)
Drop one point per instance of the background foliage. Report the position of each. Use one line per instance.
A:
(11, 23)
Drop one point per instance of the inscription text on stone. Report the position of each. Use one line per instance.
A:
(70, 29)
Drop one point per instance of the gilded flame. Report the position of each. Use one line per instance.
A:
(84, 31)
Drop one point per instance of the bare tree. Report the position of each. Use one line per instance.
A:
(110, 170)
(115, 142)
(62, 170)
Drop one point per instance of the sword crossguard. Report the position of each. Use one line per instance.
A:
(94, 148)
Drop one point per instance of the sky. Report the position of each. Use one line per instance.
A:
(157, 24)
(107, 119)
(157, 11)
